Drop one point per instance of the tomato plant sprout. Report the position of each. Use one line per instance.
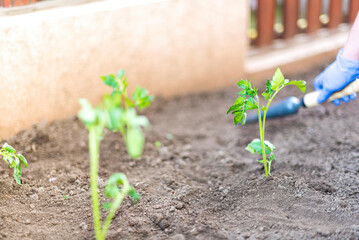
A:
(248, 100)
(14, 160)
(117, 112)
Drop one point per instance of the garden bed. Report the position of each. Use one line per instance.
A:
(201, 183)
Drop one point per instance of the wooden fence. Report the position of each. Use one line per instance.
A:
(271, 19)
(15, 3)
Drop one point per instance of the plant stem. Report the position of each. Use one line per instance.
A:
(266, 168)
(261, 134)
(116, 203)
(94, 145)
(261, 129)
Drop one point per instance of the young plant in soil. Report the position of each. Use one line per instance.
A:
(248, 100)
(117, 112)
(14, 160)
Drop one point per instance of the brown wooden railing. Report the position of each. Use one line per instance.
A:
(15, 3)
(271, 19)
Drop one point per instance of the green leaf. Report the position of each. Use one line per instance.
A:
(239, 115)
(256, 147)
(17, 176)
(278, 80)
(115, 183)
(244, 83)
(87, 114)
(135, 141)
(7, 158)
(250, 104)
(240, 100)
(23, 160)
(116, 121)
(110, 80)
(134, 120)
(117, 95)
(247, 88)
(115, 180)
(299, 83)
(128, 102)
(269, 92)
(238, 105)
(134, 195)
(239, 109)
(271, 158)
(17, 171)
(269, 145)
(107, 205)
(141, 98)
(124, 84)
(235, 108)
(121, 73)
(11, 160)
(6, 147)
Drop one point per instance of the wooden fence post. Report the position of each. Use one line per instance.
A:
(353, 10)
(314, 9)
(265, 20)
(290, 18)
(15, 3)
(335, 13)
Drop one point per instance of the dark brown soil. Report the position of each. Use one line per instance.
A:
(201, 184)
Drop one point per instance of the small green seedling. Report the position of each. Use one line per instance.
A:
(158, 144)
(14, 160)
(117, 112)
(248, 100)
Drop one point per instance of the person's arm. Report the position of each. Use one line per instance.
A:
(351, 47)
(342, 71)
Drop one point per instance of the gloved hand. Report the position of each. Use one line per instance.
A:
(336, 77)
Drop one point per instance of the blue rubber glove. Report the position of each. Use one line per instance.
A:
(336, 77)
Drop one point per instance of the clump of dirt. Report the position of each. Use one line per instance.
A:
(201, 183)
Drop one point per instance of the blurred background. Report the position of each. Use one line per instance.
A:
(53, 52)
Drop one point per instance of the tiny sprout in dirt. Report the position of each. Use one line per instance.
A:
(117, 112)
(14, 160)
(248, 100)
(158, 144)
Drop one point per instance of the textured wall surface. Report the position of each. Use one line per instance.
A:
(49, 59)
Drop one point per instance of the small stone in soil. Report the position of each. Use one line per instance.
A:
(83, 226)
(34, 196)
(180, 205)
(156, 218)
(269, 178)
(178, 237)
(164, 224)
(41, 190)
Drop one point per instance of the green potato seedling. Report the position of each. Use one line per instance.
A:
(248, 100)
(14, 160)
(117, 112)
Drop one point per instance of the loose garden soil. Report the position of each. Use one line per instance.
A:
(201, 183)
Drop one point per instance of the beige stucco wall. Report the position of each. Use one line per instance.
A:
(50, 58)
